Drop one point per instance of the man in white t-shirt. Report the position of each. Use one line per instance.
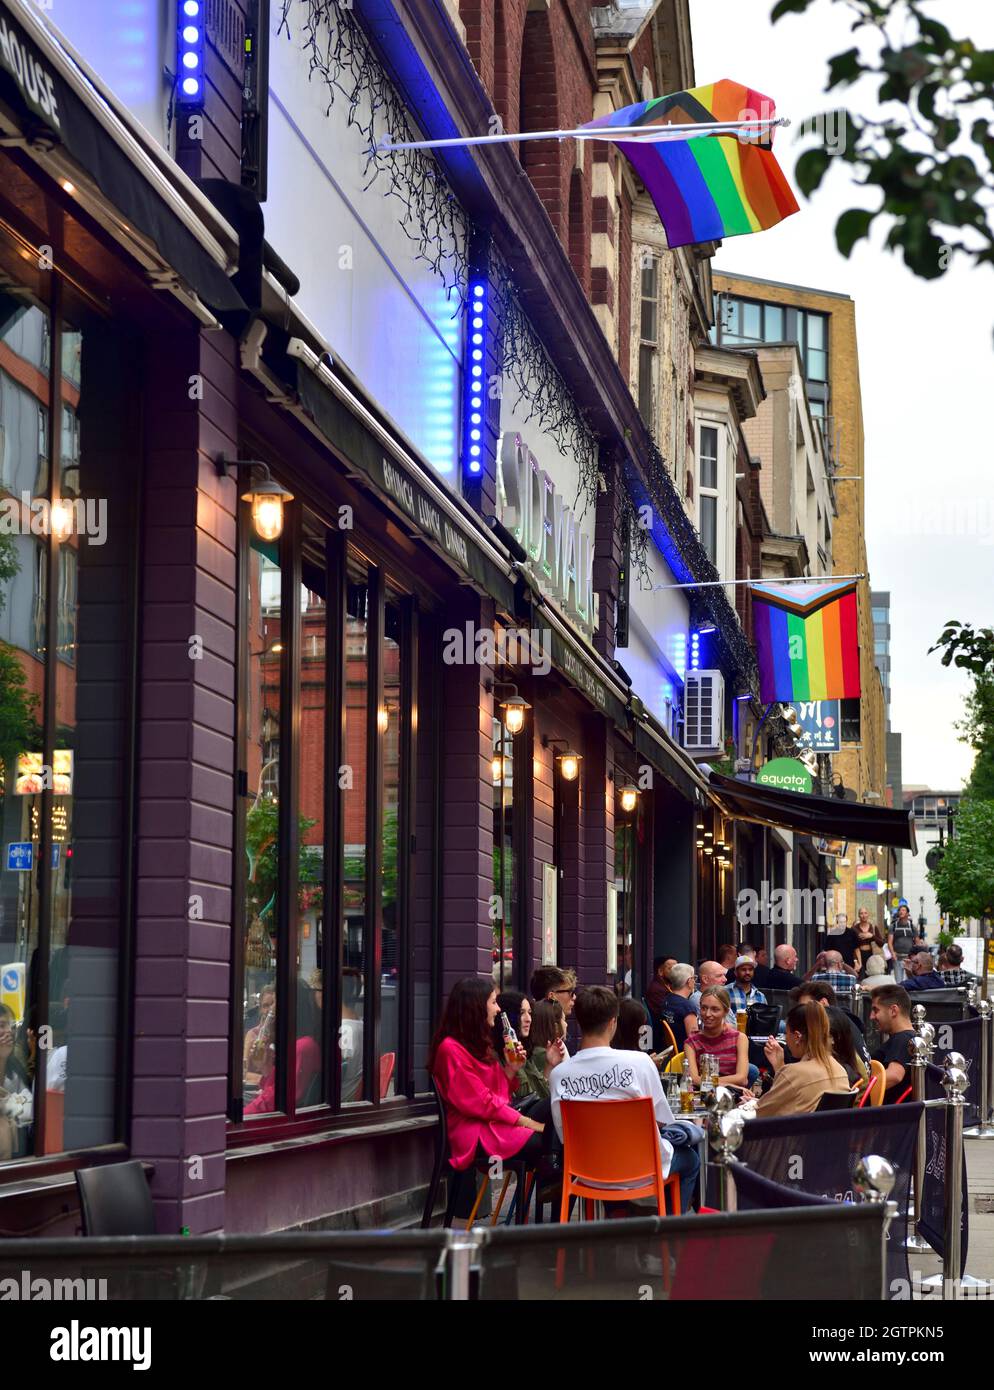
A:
(599, 1071)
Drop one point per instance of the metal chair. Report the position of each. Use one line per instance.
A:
(836, 1100)
(114, 1200)
(443, 1168)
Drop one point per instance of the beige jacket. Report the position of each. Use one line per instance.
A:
(799, 1086)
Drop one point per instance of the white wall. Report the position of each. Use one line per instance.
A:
(656, 656)
(129, 44)
(382, 311)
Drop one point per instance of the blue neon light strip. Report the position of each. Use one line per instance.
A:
(475, 380)
(190, 81)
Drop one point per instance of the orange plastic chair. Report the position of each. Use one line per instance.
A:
(613, 1142)
(670, 1038)
(879, 1074)
(868, 1090)
(387, 1063)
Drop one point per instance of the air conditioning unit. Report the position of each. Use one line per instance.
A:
(704, 712)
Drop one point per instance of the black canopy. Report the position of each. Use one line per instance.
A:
(816, 815)
(47, 108)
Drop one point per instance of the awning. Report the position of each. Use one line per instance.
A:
(666, 756)
(55, 107)
(816, 815)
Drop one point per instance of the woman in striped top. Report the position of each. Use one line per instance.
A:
(717, 1037)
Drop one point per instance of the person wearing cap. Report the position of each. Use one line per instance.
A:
(742, 992)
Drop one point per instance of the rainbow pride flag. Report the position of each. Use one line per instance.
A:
(807, 640)
(708, 188)
(866, 878)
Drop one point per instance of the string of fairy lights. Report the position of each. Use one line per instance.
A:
(342, 57)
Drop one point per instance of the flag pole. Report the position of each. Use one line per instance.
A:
(646, 134)
(793, 579)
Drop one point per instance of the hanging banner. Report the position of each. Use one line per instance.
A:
(821, 726)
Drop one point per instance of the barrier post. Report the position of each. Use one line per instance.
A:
(924, 1029)
(873, 1179)
(919, 1048)
(954, 1083)
(724, 1127)
(984, 1129)
(462, 1247)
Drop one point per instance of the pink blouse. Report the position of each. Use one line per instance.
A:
(476, 1096)
(725, 1047)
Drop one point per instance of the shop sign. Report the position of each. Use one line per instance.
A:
(550, 943)
(35, 83)
(612, 929)
(560, 557)
(20, 857)
(820, 725)
(788, 774)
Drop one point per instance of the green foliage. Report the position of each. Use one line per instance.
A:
(19, 730)
(977, 729)
(930, 155)
(971, 649)
(964, 879)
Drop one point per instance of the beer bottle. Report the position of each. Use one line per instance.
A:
(512, 1047)
(686, 1088)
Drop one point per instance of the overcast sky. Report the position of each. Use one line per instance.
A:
(925, 361)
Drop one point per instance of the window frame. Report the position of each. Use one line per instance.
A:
(712, 493)
(328, 1112)
(648, 260)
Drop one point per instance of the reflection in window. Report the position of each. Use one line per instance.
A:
(310, 820)
(505, 867)
(262, 847)
(389, 727)
(354, 990)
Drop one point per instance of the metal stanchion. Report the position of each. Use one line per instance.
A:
(984, 1129)
(873, 1179)
(954, 1083)
(724, 1127)
(462, 1248)
(919, 1049)
(924, 1029)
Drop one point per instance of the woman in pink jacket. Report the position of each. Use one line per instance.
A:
(476, 1087)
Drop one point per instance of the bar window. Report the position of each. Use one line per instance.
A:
(326, 1007)
(65, 628)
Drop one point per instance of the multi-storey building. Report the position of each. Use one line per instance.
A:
(880, 599)
(749, 312)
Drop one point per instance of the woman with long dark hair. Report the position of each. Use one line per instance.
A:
(843, 1048)
(796, 1090)
(518, 1008)
(476, 1085)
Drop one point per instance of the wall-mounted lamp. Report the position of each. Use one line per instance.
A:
(700, 844)
(513, 710)
(266, 496)
(382, 719)
(629, 797)
(497, 768)
(61, 519)
(569, 762)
